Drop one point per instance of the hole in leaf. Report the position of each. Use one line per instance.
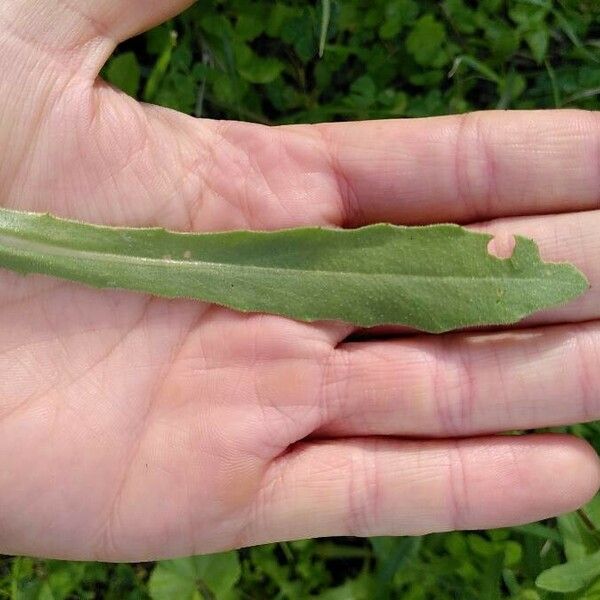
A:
(502, 245)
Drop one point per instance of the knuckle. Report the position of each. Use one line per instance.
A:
(474, 166)
(452, 394)
(457, 506)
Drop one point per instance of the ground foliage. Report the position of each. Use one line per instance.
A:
(260, 61)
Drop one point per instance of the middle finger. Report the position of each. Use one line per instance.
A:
(474, 382)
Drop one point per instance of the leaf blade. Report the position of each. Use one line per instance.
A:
(571, 576)
(434, 278)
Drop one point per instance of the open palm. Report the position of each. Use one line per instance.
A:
(135, 428)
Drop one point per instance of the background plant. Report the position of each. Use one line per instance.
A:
(261, 61)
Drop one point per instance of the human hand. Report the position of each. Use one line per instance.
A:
(135, 428)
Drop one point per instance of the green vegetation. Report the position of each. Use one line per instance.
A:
(503, 563)
(260, 61)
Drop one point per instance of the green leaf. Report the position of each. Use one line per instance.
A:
(571, 576)
(427, 78)
(538, 43)
(463, 18)
(254, 68)
(395, 102)
(360, 588)
(592, 510)
(398, 14)
(434, 278)
(158, 38)
(510, 88)
(580, 529)
(124, 72)
(476, 65)
(249, 27)
(578, 540)
(266, 561)
(392, 553)
(325, 21)
(503, 41)
(196, 577)
(300, 32)
(363, 92)
(540, 531)
(425, 41)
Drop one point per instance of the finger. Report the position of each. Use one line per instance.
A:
(46, 48)
(463, 384)
(465, 168)
(384, 487)
(123, 19)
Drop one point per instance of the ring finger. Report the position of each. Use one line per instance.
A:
(463, 384)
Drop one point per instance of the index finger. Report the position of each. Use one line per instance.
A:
(465, 168)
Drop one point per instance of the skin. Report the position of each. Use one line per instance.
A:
(134, 428)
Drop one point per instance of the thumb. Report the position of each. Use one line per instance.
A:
(123, 19)
(67, 30)
(48, 47)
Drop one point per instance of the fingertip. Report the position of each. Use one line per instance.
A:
(575, 468)
(514, 480)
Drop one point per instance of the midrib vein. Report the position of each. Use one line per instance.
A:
(36, 248)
